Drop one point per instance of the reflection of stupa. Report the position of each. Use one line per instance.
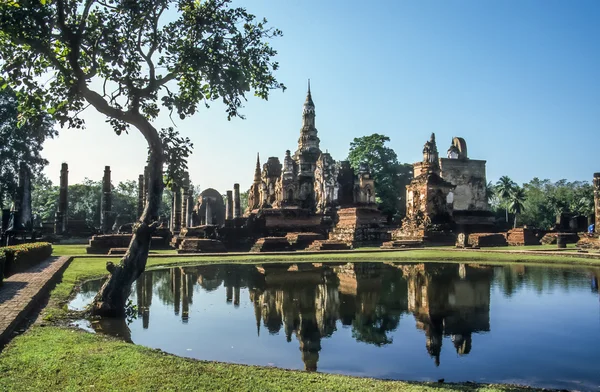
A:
(143, 288)
(307, 300)
(451, 300)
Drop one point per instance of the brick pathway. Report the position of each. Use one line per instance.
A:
(20, 292)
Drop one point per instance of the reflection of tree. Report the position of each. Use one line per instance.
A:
(373, 328)
(512, 278)
(162, 279)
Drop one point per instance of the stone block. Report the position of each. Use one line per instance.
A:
(201, 245)
(101, 244)
(299, 241)
(551, 238)
(485, 240)
(329, 245)
(400, 244)
(521, 236)
(359, 226)
(271, 244)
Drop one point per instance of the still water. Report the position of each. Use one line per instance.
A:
(520, 324)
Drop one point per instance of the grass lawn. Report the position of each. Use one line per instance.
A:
(79, 249)
(63, 359)
(59, 358)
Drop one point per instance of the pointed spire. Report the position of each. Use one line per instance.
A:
(309, 101)
(257, 169)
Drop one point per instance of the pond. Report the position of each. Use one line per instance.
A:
(519, 324)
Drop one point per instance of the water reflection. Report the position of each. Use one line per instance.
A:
(313, 303)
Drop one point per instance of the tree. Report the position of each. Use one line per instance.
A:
(504, 188)
(19, 144)
(44, 198)
(128, 60)
(391, 177)
(516, 200)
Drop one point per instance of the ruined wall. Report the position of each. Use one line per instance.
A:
(469, 178)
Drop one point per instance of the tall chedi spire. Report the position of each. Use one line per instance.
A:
(257, 169)
(308, 141)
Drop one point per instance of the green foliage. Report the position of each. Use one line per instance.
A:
(545, 200)
(205, 50)
(176, 150)
(18, 258)
(503, 189)
(516, 200)
(44, 198)
(2, 265)
(391, 177)
(19, 144)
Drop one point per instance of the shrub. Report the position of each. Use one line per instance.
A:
(19, 258)
(2, 262)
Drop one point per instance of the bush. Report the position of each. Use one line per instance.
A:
(19, 258)
(2, 262)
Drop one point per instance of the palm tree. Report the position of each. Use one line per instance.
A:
(504, 188)
(517, 199)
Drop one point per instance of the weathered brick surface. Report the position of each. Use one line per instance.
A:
(20, 292)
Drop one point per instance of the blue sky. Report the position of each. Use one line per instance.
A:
(519, 80)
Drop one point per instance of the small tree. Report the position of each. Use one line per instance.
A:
(504, 188)
(516, 202)
(128, 59)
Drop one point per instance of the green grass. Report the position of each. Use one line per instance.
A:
(68, 250)
(63, 359)
(79, 250)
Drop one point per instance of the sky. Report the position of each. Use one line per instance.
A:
(518, 80)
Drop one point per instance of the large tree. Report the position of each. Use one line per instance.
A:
(128, 59)
(19, 143)
(391, 177)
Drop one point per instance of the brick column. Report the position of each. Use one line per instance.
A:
(237, 208)
(105, 202)
(229, 206)
(60, 223)
(176, 211)
(185, 194)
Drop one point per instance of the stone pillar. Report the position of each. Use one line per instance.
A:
(237, 207)
(176, 211)
(141, 196)
(208, 212)
(26, 218)
(229, 206)
(106, 202)
(596, 184)
(185, 194)
(60, 223)
(190, 209)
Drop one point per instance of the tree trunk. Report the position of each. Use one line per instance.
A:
(515, 225)
(112, 297)
(506, 214)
